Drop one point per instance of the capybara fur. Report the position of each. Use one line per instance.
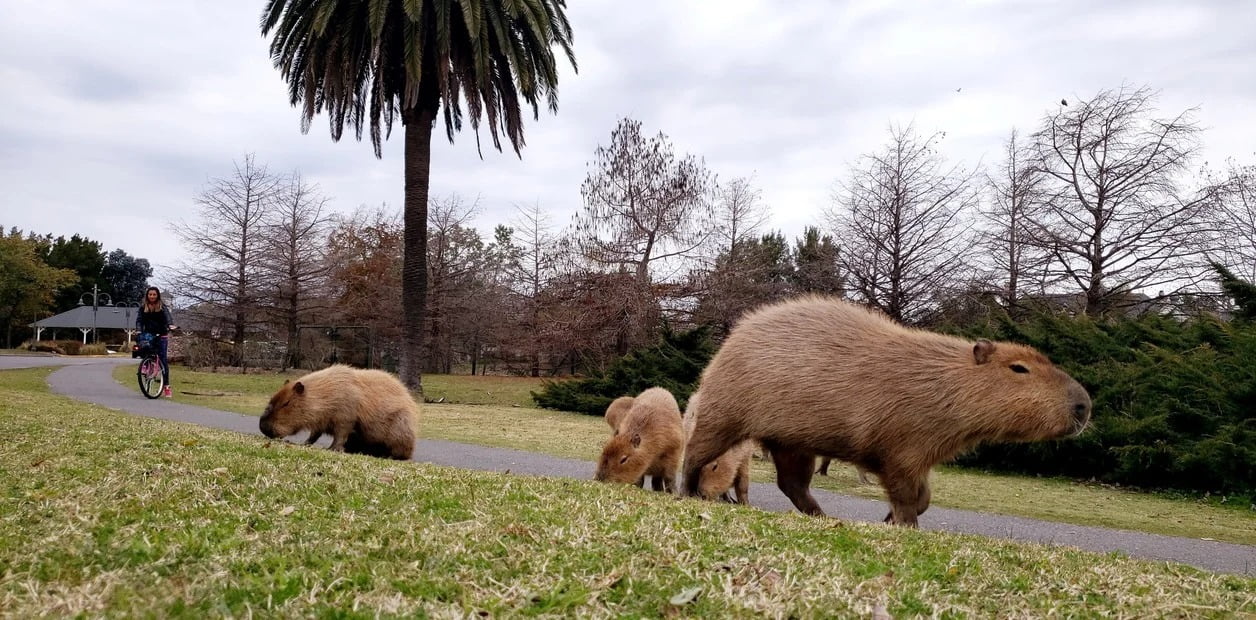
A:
(818, 376)
(616, 411)
(730, 472)
(650, 442)
(364, 411)
(824, 470)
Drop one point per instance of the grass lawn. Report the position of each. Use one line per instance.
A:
(109, 514)
(249, 393)
(580, 436)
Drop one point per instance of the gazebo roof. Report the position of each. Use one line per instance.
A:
(107, 317)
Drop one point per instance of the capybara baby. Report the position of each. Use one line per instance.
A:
(731, 471)
(818, 376)
(616, 411)
(650, 442)
(365, 411)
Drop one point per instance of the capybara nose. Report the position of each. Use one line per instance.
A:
(1081, 407)
(1081, 413)
(265, 426)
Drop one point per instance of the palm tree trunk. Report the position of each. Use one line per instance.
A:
(414, 266)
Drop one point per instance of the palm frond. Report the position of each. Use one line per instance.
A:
(363, 61)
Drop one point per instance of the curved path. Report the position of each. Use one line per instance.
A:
(92, 381)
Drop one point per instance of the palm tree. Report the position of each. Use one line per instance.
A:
(377, 59)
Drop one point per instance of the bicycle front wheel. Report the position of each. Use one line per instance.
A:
(150, 377)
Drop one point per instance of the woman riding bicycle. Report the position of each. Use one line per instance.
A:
(154, 318)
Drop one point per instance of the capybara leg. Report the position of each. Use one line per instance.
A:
(922, 500)
(339, 436)
(726, 497)
(824, 466)
(314, 435)
(692, 481)
(656, 483)
(641, 482)
(863, 476)
(793, 477)
(741, 483)
(669, 483)
(905, 497)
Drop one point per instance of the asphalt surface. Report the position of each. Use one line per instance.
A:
(91, 380)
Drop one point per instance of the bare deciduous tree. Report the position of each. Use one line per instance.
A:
(1014, 190)
(294, 259)
(532, 269)
(898, 221)
(739, 214)
(642, 208)
(641, 204)
(454, 255)
(752, 273)
(365, 250)
(1115, 219)
(1236, 241)
(223, 273)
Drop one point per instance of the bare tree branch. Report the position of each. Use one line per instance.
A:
(899, 223)
(1114, 220)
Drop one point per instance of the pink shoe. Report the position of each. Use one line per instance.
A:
(166, 392)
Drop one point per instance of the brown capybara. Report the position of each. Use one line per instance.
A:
(365, 411)
(824, 470)
(818, 376)
(616, 411)
(650, 442)
(731, 471)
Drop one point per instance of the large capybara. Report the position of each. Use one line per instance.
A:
(616, 411)
(365, 411)
(818, 376)
(649, 441)
(731, 471)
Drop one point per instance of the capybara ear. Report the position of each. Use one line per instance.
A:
(636, 440)
(983, 351)
(287, 381)
(299, 388)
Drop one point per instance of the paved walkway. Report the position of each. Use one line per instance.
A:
(92, 381)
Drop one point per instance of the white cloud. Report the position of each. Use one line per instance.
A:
(113, 115)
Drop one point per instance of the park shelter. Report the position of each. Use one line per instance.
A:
(87, 319)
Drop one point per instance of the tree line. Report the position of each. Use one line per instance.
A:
(1099, 211)
(41, 276)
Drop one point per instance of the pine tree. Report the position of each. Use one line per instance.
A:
(1242, 292)
(674, 363)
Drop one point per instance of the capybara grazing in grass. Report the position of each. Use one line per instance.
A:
(650, 442)
(729, 472)
(616, 411)
(818, 376)
(365, 411)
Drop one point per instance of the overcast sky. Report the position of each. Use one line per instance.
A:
(113, 115)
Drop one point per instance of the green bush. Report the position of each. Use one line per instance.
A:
(93, 349)
(675, 363)
(1174, 402)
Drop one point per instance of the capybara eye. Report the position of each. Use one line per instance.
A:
(1019, 368)
(623, 460)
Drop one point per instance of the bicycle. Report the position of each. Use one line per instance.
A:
(150, 372)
